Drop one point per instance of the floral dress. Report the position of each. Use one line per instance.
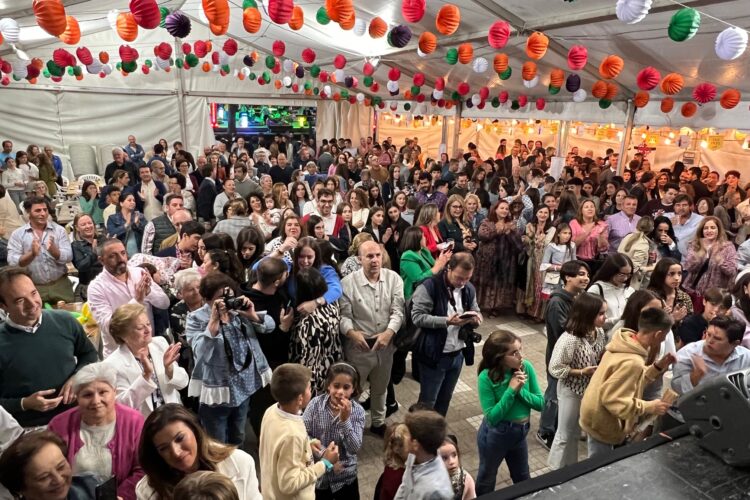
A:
(315, 343)
(497, 257)
(536, 243)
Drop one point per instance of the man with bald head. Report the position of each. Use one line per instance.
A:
(282, 171)
(372, 310)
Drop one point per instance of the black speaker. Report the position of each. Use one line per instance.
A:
(717, 414)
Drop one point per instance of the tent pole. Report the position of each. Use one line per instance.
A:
(562, 137)
(456, 128)
(625, 144)
(444, 135)
(180, 84)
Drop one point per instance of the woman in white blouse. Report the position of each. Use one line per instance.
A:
(148, 375)
(360, 208)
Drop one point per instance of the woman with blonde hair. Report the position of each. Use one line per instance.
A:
(429, 217)
(454, 227)
(711, 261)
(281, 196)
(641, 250)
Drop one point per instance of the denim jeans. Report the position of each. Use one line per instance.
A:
(598, 448)
(564, 449)
(548, 420)
(225, 423)
(437, 383)
(505, 441)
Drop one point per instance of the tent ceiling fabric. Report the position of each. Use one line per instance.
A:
(584, 22)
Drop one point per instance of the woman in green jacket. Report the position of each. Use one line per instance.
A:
(417, 262)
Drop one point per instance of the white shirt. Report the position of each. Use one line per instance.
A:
(151, 206)
(452, 343)
(94, 457)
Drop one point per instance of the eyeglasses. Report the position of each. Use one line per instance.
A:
(456, 206)
(624, 275)
(515, 354)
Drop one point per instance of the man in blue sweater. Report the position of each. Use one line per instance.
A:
(40, 351)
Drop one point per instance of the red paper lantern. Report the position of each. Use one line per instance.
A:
(730, 98)
(200, 48)
(339, 61)
(230, 47)
(128, 53)
(523, 100)
(578, 55)
(463, 88)
(279, 48)
(146, 13)
(484, 93)
(394, 74)
(84, 55)
(418, 79)
(164, 51)
(540, 104)
(50, 16)
(413, 10)
(648, 78)
(503, 96)
(498, 34)
(308, 55)
(667, 105)
(215, 57)
(704, 92)
(63, 58)
(440, 83)
(280, 11)
(368, 69)
(689, 109)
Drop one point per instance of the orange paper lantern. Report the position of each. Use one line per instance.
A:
(730, 98)
(448, 19)
(348, 22)
(251, 20)
(672, 84)
(217, 11)
(378, 28)
(612, 91)
(206, 67)
(556, 78)
(528, 70)
(298, 18)
(611, 67)
(689, 109)
(500, 64)
(218, 29)
(127, 28)
(103, 57)
(50, 16)
(599, 90)
(667, 105)
(465, 53)
(72, 33)
(427, 42)
(536, 45)
(641, 98)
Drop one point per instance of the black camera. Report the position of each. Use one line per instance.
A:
(233, 303)
(467, 334)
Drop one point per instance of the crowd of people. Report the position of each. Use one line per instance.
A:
(271, 283)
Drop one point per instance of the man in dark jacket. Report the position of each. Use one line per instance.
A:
(207, 193)
(574, 276)
(445, 308)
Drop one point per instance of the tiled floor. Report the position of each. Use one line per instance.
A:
(465, 414)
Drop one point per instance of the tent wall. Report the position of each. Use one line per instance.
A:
(570, 111)
(342, 119)
(430, 137)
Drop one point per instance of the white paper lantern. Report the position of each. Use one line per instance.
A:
(579, 95)
(360, 26)
(632, 11)
(392, 85)
(360, 97)
(340, 75)
(437, 94)
(327, 90)
(216, 68)
(245, 71)
(10, 30)
(480, 65)
(287, 81)
(731, 43)
(20, 69)
(96, 67)
(288, 65)
(476, 99)
(393, 106)
(162, 63)
(420, 53)
(223, 58)
(107, 69)
(112, 18)
(530, 84)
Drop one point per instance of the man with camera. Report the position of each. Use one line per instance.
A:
(445, 308)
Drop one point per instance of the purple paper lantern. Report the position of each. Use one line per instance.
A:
(178, 24)
(573, 83)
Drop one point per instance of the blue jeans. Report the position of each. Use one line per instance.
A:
(548, 420)
(505, 441)
(225, 423)
(437, 383)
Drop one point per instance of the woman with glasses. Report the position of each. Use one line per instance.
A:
(612, 283)
(454, 227)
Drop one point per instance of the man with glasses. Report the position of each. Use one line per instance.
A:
(324, 210)
(720, 352)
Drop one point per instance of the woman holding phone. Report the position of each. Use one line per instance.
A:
(574, 359)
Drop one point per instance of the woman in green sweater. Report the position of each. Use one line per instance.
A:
(417, 262)
(508, 391)
(89, 202)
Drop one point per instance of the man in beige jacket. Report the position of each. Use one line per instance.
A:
(612, 403)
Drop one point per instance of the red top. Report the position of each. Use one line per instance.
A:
(432, 242)
(390, 481)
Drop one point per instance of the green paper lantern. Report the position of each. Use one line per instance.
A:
(252, 76)
(345, 94)
(605, 103)
(70, 70)
(554, 90)
(315, 71)
(266, 76)
(316, 91)
(495, 102)
(149, 63)
(54, 69)
(270, 62)
(684, 25)
(46, 73)
(407, 106)
(118, 66)
(130, 66)
(308, 85)
(514, 105)
(455, 96)
(415, 90)
(451, 57)
(16, 79)
(225, 68)
(171, 61)
(246, 4)
(77, 70)
(505, 74)
(179, 62)
(322, 16)
(164, 13)
(368, 81)
(191, 60)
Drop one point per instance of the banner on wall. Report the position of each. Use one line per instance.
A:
(715, 142)
(683, 142)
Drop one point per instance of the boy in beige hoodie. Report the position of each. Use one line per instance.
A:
(612, 403)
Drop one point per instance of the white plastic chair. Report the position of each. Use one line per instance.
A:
(65, 180)
(96, 179)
